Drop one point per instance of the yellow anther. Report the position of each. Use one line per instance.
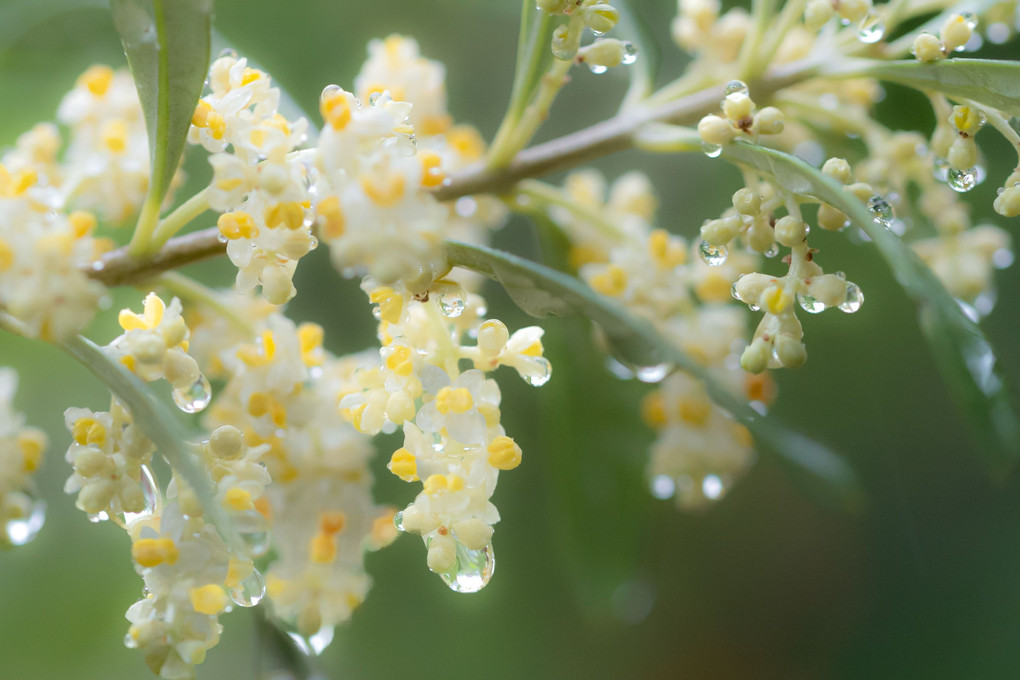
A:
(466, 141)
(235, 225)
(251, 75)
(611, 282)
(96, 79)
(713, 287)
(280, 123)
(777, 300)
(129, 362)
(331, 218)
(404, 465)
(535, 349)
(209, 599)
(23, 180)
(435, 125)
(114, 135)
(455, 400)
(259, 404)
(287, 214)
(6, 256)
(399, 361)
(665, 253)
(237, 571)
(354, 415)
(653, 409)
(310, 339)
(253, 355)
(263, 507)
(238, 500)
(432, 171)
(694, 411)
(966, 119)
(217, 126)
(258, 137)
(201, 116)
(384, 190)
(391, 303)
(322, 549)
(32, 443)
(439, 483)
(89, 431)
(152, 552)
(82, 223)
(154, 307)
(332, 522)
(504, 453)
(760, 388)
(336, 110)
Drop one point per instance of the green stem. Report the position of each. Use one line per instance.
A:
(789, 17)
(179, 218)
(999, 122)
(193, 291)
(544, 195)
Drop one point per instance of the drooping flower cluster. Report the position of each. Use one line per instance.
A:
(22, 512)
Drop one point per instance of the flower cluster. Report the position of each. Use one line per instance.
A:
(22, 512)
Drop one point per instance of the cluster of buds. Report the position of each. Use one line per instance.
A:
(953, 37)
(22, 513)
(739, 118)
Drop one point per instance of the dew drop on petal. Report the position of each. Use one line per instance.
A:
(810, 304)
(597, 69)
(30, 517)
(452, 304)
(194, 398)
(618, 369)
(250, 591)
(854, 299)
(871, 29)
(1002, 258)
(329, 91)
(472, 571)
(653, 374)
(961, 180)
(227, 52)
(711, 150)
(736, 87)
(772, 250)
(881, 211)
(150, 492)
(540, 372)
(313, 645)
(97, 517)
(970, 19)
(712, 255)
(630, 53)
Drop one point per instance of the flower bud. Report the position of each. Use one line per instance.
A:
(716, 130)
(553, 6)
(955, 32)
(838, 169)
(756, 356)
(749, 287)
(492, 336)
(747, 202)
(565, 41)
(473, 533)
(226, 442)
(722, 231)
(791, 231)
(1007, 203)
(737, 105)
(276, 285)
(830, 218)
(854, 10)
(180, 369)
(927, 48)
(769, 121)
(828, 289)
(600, 18)
(606, 53)
(442, 555)
(791, 352)
(963, 153)
(817, 14)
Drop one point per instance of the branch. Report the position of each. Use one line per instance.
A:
(118, 268)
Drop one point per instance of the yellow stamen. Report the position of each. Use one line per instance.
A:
(432, 172)
(238, 500)
(287, 214)
(404, 465)
(455, 400)
(504, 453)
(209, 599)
(97, 79)
(152, 552)
(331, 218)
(385, 190)
(235, 225)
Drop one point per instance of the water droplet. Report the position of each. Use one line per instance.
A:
(871, 29)
(97, 517)
(618, 369)
(329, 91)
(970, 19)
(961, 180)
(29, 517)
(810, 304)
(313, 645)
(597, 69)
(250, 591)
(772, 250)
(711, 150)
(940, 168)
(735, 87)
(653, 374)
(222, 239)
(227, 52)
(398, 520)
(540, 373)
(313, 243)
(854, 299)
(663, 487)
(881, 211)
(733, 289)
(452, 304)
(194, 398)
(150, 492)
(630, 53)
(373, 98)
(472, 570)
(711, 255)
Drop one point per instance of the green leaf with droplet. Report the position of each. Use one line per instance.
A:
(167, 47)
(994, 83)
(158, 423)
(541, 291)
(962, 353)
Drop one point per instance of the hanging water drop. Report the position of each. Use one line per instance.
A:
(772, 250)
(194, 398)
(961, 180)
(313, 645)
(329, 91)
(97, 517)
(373, 98)
(653, 374)
(736, 87)
(227, 52)
(472, 570)
(452, 304)
(881, 211)
(810, 304)
(970, 19)
(398, 520)
(597, 69)
(712, 255)
(250, 591)
(150, 492)
(630, 53)
(854, 299)
(540, 374)
(29, 515)
(711, 150)
(871, 29)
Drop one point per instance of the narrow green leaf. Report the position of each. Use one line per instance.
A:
(994, 83)
(961, 351)
(167, 47)
(541, 291)
(158, 424)
(632, 27)
(534, 55)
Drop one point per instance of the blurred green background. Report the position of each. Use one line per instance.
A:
(595, 579)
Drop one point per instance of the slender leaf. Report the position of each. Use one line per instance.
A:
(961, 351)
(158, 424)
(541, 291)
(633, 27)
(994, 83)
(167, 47)
(534, 55)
